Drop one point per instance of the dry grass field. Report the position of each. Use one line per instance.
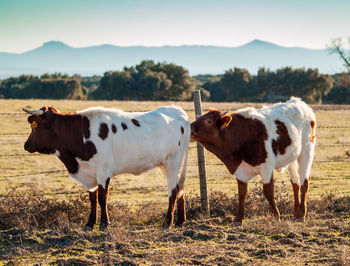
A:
(42, 211)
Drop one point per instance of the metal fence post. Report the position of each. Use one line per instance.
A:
(201, 157)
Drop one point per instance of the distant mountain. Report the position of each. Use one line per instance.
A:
(56, 56)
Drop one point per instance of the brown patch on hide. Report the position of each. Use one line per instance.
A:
(124, 126)
(86, 127)
(251, 139)
(114, 129)
(182, 130)
(103, 131)
(283, 141)
(312, 137)
(136, 123)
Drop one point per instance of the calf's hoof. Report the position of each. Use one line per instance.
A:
(300, 219)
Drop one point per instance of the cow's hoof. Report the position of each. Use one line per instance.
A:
(300, 220)
(103, 227)
(180, 224)
(167, 225)
(88, 228)
(236, 224)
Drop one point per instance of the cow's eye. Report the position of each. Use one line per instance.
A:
(209, 122)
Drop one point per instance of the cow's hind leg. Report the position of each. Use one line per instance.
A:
(181, 212)
(172, 169)
(102, 200)
(168, 223)
(270, 196)
(92, 217)
(295, 180)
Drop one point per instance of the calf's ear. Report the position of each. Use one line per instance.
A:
(225, 120)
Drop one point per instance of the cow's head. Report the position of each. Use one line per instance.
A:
(42, 138)
(206, 129)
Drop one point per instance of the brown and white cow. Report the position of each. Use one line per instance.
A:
(256, 141)
(97, 143)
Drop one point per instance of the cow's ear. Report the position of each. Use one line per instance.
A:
(225, 121)
(35, 118)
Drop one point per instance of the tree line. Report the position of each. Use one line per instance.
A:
(162, 81)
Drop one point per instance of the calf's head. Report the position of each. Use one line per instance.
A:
(206, 129)
(42, 138)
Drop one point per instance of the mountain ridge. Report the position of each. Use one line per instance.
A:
(56, 56)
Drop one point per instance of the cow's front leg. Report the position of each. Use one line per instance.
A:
(170, 214)
(92, 217)
(102, 200)
(242, 193)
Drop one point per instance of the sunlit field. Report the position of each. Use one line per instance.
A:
(42, 210)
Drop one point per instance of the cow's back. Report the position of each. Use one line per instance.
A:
(137, 141)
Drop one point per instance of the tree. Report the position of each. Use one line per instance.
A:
(146, 81)
(47, 86)
(234, 85)
(340, 94)
(336, 47)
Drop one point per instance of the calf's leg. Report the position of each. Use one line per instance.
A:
(295, 179)
(242, 193)
(296, 188)
(304, 189)
(102, 200)
(269, 194)
(305, 162)
(92, 217)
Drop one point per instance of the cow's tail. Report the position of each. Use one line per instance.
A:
(184, 161)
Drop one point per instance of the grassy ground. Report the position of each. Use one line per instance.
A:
(42, 212)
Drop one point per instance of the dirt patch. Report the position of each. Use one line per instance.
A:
(136, 236)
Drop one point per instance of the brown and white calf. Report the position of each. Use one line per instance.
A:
(256, 141)
(97, 143)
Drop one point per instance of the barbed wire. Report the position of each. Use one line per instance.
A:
(190, 147)
(315, 108)
(120, 190)
(10, 134)
(34, 173)
(189, 164)
(14, 134)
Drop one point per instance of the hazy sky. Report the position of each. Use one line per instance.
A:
(27, 24)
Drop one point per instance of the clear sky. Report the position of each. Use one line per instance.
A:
(27, 24)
